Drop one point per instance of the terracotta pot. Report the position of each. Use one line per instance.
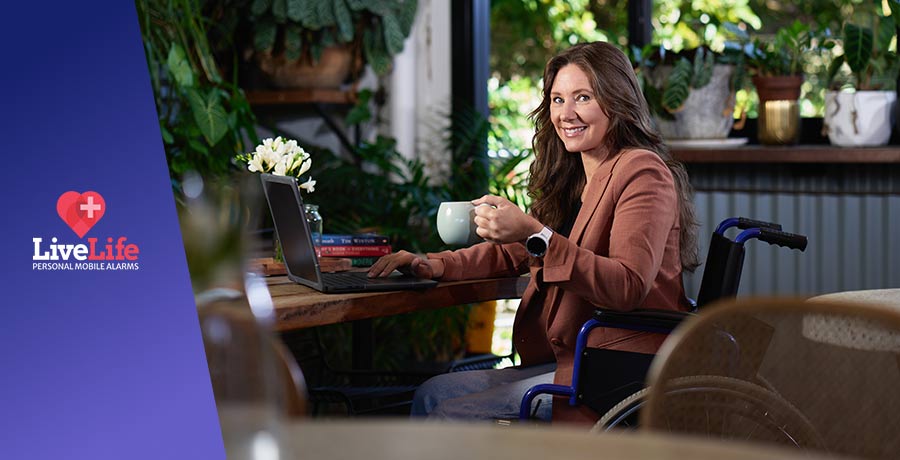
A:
(333, 69)
(781, 88)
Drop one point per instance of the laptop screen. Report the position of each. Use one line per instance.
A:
(291, 227)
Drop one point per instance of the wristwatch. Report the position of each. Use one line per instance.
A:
(537, 244)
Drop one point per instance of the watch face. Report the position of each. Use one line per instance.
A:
(536, 246)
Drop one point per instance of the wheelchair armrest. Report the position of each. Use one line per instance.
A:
(642, 320)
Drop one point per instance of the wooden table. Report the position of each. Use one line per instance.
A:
(298, 306)
(401, 440)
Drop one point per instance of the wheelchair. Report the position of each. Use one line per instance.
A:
(611, 382)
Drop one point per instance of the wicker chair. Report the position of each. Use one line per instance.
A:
(821, 376)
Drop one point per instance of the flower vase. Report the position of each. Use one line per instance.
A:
(314, 219)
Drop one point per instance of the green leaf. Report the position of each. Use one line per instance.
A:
(293, 42)
(209, 115)
(198, 146)
(858, 44)
(654, 101)
(259, 7)
(315, 50)
(703, 68)
(180, 67)
(264, 39)
(356, 5)
(393, 34)
(360, 111)
(375, 52)
(677, 87)
(279, 10)
(406, 15)
(167, 136)
(344, 21)
(833, 69)
(297, 9)
(325, 12)
(886, 31)
(304, 12)
(379, 7)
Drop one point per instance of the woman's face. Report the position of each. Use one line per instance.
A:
(575, 111)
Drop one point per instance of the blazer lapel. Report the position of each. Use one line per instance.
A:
(595, 191)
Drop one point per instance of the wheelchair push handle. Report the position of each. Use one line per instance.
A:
(779, 238)
(745, 223)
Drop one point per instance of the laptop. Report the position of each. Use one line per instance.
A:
(300, 258)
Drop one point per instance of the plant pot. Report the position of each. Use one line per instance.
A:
(708, 112)
(859, 119)
(333, 68)
(779, 111)
(779, 88)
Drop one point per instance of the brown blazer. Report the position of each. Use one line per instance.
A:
(622, 254)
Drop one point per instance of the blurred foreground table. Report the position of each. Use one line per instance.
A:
(884, 297)
(401, 440)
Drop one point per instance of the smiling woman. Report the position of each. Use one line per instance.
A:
(578, 118)
(601, 173)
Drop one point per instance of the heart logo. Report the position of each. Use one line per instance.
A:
(80, 211)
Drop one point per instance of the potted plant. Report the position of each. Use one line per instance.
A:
(322, 43)
(859, 106)
(204, 117)
(691, 93)
(777, 74)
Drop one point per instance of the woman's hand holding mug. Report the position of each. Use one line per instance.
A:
(501, 221)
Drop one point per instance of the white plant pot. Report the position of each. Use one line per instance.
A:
(859, 119)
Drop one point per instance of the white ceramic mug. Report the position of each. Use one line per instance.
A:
(456, 223)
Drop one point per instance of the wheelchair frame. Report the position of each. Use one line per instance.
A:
(721, 279)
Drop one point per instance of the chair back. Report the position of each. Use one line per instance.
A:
(815, 375)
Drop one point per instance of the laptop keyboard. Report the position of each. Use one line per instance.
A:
(345, 279)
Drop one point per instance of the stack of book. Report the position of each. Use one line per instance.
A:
(362, 249)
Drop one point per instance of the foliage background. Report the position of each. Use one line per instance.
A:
(525, 33)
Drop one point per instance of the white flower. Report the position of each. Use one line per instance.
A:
(282, 157)
(291, 146)
(255, 164)
(278, 146)
(280, 167)
(309, 186)
(304, 167)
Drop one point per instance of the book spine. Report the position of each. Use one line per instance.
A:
(354, 251)
(362, 261)
(354, 240)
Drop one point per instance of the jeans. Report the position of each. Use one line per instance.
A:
(484, 394)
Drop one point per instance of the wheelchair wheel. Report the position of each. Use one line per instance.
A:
(719, 407)
(623, 415)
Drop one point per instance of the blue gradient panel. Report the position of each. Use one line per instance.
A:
(93, 364)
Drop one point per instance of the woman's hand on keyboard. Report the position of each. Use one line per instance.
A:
(409, 263)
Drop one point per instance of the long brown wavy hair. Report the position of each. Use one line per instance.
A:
(557, 176)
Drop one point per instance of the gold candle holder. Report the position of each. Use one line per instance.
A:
(779, 122)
